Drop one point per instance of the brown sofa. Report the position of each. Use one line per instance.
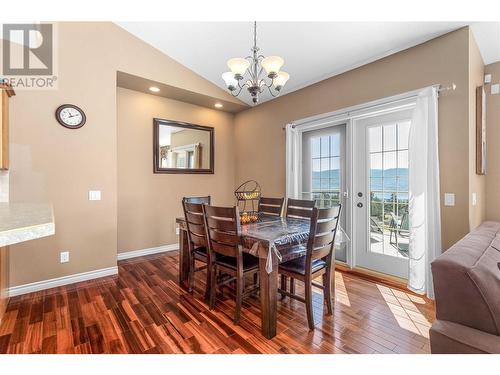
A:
(467, 292)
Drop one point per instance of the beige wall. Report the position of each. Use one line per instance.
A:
(492, 146)
(477, 183)
(54, 164)
(261, 140)
(149, 203)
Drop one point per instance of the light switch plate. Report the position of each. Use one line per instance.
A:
(495, 89)
(487, 78)
(474, 199)
(94, 195)
(449, 199)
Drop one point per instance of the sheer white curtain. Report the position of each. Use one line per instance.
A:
(424, 213)
(292, 161)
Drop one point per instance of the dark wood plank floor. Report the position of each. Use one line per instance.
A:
(144, 311)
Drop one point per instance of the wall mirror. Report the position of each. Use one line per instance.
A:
(180, 147)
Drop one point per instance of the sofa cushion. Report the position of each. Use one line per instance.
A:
(467, 280)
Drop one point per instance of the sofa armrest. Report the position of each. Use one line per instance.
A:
(453, 338)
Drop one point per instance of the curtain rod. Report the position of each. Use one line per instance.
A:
(451, 87)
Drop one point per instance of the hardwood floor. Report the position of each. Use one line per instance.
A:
(144, 311)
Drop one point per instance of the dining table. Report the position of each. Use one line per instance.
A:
(273, 239)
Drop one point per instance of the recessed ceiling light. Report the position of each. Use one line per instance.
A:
(154, 89)
(218, 105)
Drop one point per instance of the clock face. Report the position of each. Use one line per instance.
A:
(70, 116)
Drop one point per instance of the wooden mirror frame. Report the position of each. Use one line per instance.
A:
(156, 138)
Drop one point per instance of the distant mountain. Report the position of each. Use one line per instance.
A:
(389, 173)
(394, 179)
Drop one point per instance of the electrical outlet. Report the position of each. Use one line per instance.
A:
(449, 199)
(64, 256)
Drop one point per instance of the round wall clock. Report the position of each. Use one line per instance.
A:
(70, 116)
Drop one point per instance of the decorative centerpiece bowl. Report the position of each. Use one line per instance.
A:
(247, 197)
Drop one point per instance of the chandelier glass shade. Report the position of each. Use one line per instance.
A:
(250, 70)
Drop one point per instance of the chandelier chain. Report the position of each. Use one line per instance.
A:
(255, 34)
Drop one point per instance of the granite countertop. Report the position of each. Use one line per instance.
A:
(21, 222)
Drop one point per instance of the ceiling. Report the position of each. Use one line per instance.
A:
(141, 84)
(312, 51)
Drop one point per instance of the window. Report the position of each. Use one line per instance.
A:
(389, 194)
(325, 172)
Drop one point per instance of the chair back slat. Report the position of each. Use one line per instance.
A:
(220, 224)
(195, 224)
(321, 240)
(223, 249)
(223, 230)
(321, 253)
(299, 208)
(300, 203)
(198, 241)
(197, 230)
(299, 212)
(194, 217)
(199, 200)
(324, 224)
(226, 238)
(271, 206)
(329, 213)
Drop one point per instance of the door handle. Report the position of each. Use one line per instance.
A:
(360, 205)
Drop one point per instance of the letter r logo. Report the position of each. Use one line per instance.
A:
(27, 49)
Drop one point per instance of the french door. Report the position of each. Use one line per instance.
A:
(324, 178)
(380, 186)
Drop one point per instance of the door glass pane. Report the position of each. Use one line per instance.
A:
(403, 135)
(390, 138)
(335, 145)
(325, 178)
(388, 166)
(315, 148)
(376, 165)
(375, 139)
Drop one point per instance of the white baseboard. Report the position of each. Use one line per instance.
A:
(84, 276)
(151, 250)
(60, 281)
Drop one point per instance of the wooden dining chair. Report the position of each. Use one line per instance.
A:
(197, 241)
(300, 208)
(271, 206)
(202, 200)
(226, 254)
(318, 261)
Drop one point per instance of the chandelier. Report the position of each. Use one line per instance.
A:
(251, 68)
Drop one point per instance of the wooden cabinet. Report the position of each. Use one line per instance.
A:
(4, 279)
(6, 93)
